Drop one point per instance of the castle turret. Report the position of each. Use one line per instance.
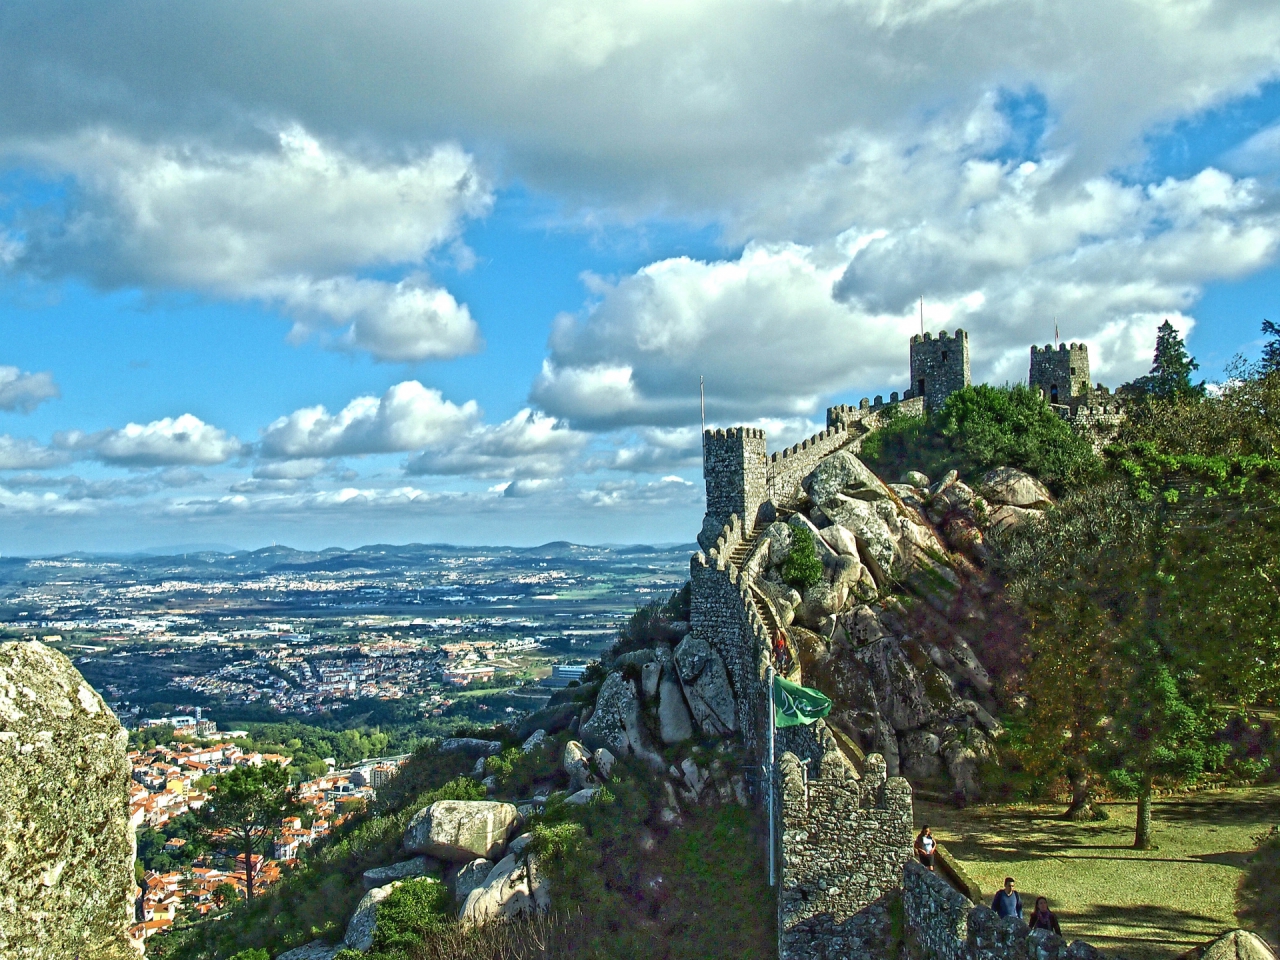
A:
(736, 473)
(1062, 373)
(939, 367)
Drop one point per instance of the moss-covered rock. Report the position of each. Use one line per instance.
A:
(66, 844)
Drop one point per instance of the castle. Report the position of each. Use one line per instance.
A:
(844, 828)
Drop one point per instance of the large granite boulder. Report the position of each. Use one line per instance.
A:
(616, 722)
(1015, 488)
(843, 474)
(364, 922)
(675, 724)
(315, 950)
(461, 830)
(705, 682)
(405, 870)
(66, 843)
(1238, 945)
(514, 888)
(469, 877)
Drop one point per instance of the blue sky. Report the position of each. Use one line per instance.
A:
(498, 246)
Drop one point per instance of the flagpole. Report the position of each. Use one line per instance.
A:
(772, 828)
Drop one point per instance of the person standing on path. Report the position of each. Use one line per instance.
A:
(1006, 902)
(925, 845)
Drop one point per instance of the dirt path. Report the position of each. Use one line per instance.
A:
(1147, 904)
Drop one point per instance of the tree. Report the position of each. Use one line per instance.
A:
(1171, 369)
(802, 568)
(1270, 362)
(1115, 683)
(249, 803)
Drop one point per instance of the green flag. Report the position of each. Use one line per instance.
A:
(794, 705)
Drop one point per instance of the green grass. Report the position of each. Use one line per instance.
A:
(1152, 904)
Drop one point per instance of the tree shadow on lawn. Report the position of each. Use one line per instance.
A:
(1220, 811)
(1143, 923)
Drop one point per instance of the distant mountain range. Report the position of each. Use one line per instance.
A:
(379, 558)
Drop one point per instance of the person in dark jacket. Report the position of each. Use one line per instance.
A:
(1042, 918)
(1006, 903)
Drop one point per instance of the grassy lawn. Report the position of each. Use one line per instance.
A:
(1146, 904)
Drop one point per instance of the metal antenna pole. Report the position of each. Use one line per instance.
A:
(922, 314)
(773, 845)
(702, 394)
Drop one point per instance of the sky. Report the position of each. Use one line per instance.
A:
(336, 273)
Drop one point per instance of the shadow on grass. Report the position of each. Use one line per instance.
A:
(1223, 810)
(1150, 923)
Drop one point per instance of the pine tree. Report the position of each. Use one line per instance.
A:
(1271, 349)
(1170, 376)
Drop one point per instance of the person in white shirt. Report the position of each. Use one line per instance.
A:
(925, 845)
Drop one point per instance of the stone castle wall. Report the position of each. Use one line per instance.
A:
(943, 924)
(733, 465)
(788, 467)
(844, 842)
(1067, 368)
(722, 613)
(939, 367)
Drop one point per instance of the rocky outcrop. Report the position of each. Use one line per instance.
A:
(315, 950)
(461, 830)
(66, 844)
(616, 722)
(469, 877)
(513, 888)
(705, 683)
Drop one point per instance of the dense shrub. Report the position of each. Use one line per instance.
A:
(983, 427)
(802, 568)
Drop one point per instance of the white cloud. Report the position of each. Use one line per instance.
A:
(405, 321)
(286, 225)
(19, 453)
(407, 417)
(998, 247)
(289, 469)
(529, 446)
(696, 104)
(25, 391)
(171, 441)
(669, 491)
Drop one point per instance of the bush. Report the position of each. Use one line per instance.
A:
(254, 954)
(983, 427)
(414, 911)
(802, 568)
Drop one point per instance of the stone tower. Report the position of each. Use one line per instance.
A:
(736, 472)
(1062, 373)
(939, 367)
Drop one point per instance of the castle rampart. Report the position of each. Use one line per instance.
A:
(788, 467)
(844, 844)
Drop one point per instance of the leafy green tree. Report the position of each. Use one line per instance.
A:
(802, 568)
(1171, 369)
(249, 803)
